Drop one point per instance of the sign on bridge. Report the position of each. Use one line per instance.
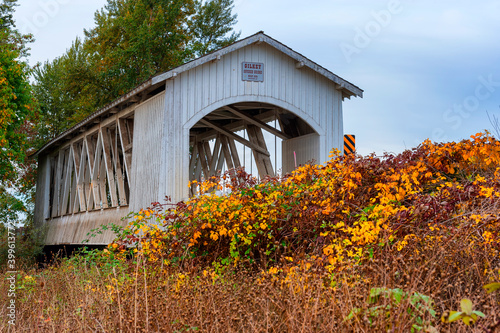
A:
(253, 71)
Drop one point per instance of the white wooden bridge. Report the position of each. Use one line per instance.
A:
(185, 124)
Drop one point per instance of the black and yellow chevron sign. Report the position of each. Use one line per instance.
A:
(349, 144)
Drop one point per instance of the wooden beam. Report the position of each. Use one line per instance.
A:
(235, 137)
(198, 169)
(72, 193)
(57, 184)
(135, 99)
(214, 163)
(194, 168)
(80, 185)
(234, 153)
(118, 168)
(203, 159)
(95, 176)
(249, 118)
(208, 153)
(76, 166)
(89, 174)
(227, 155)
(263, 162)
(193, 161)
(197, 175)
(91, 146)
(237, 125)
(73, 197)
(126, 135)
(107, 157)
(67, 170)
(102, 181)
(220, 162)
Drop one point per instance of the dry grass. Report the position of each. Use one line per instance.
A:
(433, 241)
(100, 295)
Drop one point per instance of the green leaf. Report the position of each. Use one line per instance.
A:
(398, 295)
(354, 312)
(478, 313)
(375, 294)
(454, 315)
(466, 306)
(492, 287)
(416, 327)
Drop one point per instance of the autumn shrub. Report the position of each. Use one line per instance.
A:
(392, 243)
(335, 214)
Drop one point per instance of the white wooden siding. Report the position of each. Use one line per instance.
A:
(193, 94)
(147, 152)
(306, 149)
(42, 197)
(73, 229)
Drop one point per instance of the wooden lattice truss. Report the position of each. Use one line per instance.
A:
(94, 171)
(207, 160)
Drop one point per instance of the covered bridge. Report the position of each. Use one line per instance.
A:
(185, 124)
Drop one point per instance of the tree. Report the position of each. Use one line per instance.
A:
(66, 91)
(211, 25)
(16, 102)
(132, 40)
(6, 10)
(17, 173)
(16, 111)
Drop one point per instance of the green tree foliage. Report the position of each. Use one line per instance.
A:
(6, 9)
(212, 26)
(16, 104)
(132, 40)
(9, 207)
(16, 132)
(62, 96)
(16, 109)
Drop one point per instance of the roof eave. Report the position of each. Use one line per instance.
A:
(259, 38)
(124, 98)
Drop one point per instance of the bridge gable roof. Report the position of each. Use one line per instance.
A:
(156, 82)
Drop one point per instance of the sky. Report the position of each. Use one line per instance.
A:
(429, 69)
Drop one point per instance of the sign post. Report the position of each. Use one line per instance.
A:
(349, 144)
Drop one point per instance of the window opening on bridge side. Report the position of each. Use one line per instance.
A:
(93, 172)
